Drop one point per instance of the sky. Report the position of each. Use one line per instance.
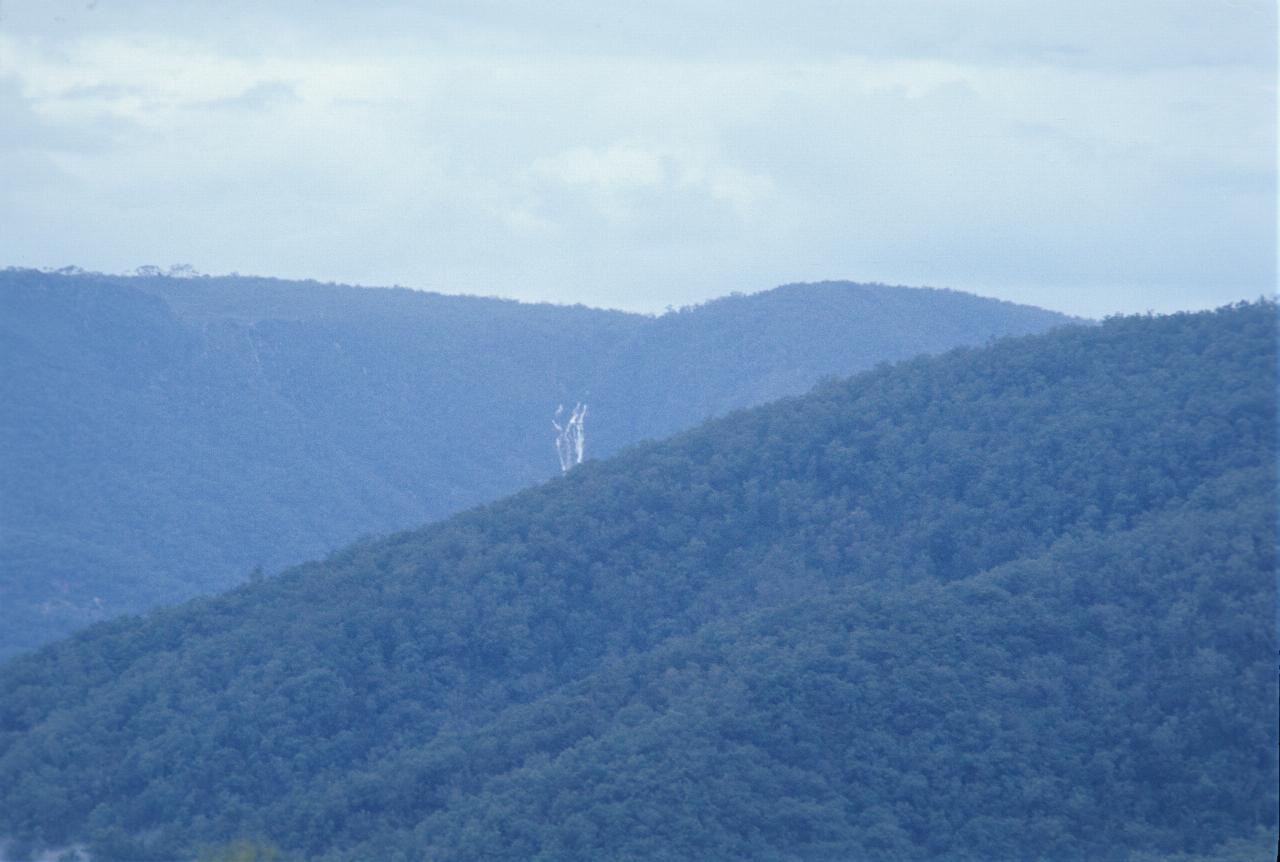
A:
(1091, 156)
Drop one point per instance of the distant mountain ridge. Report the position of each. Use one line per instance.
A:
(162, 437)
(1006, 603)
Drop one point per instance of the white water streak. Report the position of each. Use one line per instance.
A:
(571, 437)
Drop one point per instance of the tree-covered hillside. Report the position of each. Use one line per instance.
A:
(162, 437)
(1007, 603)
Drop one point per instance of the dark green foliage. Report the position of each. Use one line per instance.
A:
(241, 850)
(1008, 603)
(163, 437)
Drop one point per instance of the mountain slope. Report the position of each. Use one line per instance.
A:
(163, 437)
(1004, 603)
(932, 722)
(747, 350)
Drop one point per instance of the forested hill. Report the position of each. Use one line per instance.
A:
(1008, 603)
(162, 437)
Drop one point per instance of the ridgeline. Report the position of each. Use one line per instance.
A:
(1006, 603)
(166, 437)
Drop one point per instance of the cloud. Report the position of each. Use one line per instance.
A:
(620, 167)
(612, 174)
(656, 153)
(260, 96)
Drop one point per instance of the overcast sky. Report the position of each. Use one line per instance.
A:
(1092, 156)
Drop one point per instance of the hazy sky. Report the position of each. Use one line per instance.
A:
(1086, 155)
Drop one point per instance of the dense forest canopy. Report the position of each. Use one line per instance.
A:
(1007, 603)
(163, 437)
